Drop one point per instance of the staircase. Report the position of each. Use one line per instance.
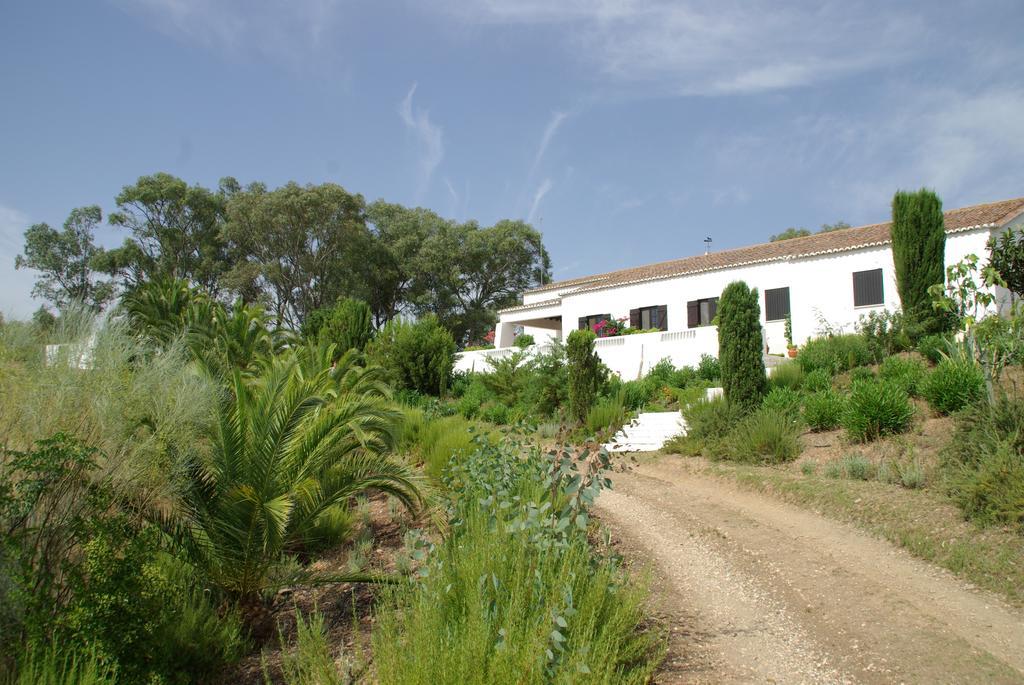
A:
(647, 432)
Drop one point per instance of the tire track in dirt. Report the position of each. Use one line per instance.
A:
(755, 590)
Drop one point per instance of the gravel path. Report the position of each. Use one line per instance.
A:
(756, 590)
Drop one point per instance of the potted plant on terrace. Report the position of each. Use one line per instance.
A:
(790, 347)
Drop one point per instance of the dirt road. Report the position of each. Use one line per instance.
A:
(755, 590)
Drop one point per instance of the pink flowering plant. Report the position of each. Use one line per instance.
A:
(608, 328)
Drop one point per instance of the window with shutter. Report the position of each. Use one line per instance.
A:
(588, 322)
(701, 312)
(867, 288)
(650, 317)
(776, 304)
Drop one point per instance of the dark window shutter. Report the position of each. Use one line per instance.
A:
(776, 304)
(583, 323)
(634, 318)
(663, 317)
(692, 314)
(867, 288)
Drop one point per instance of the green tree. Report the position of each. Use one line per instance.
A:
(418, 356)
(1006, 255)
(837, 226)
(64, 260)
(475, 271)
(919, 252)
(288, 449)
(347, 325)
(301, 247)
(790, 233)
(741, 346)
(175, 233)
(584, 372)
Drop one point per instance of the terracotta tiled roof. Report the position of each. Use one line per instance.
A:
(957, 220)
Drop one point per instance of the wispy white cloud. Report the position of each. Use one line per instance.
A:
(429, 137)
(549, 133)
(16, 295)
(284, 29)
(713, 47)
(538, 196)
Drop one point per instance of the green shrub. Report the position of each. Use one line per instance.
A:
(418, 356)
(903, 371)
(984, 462)
(857, 467)
(709, 368)
(918, 253)
(691, 394)
(523, 341)
(347, 325)
(861, 373)
(787, 375)
(741, 345)
(584, 373)
(475, 395)
(823, 411)
(767, 436)
(312, 662)
(607, 413)
(62, 664)
(711, 420)
(507, 377)
(498, 413)
(834, 354)
(784, 400)
(546, 389)
(954, 384)
(875, 409)
(515, 594)
(818, 380)
(636, 394)
(934, 347)
(808, 468)
(443, 440)
(884, 334)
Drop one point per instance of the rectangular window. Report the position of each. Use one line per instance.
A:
(701, 312)
(867, 288)
(649, 317)
(776, 304)
(588, 322)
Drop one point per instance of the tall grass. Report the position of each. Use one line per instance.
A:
(608, 413)
(508, 599)
(312, 663)
(58, 665)
(142, 410)
(768, 436)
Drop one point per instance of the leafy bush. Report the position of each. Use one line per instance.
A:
(347, 325)
(523, 341)
(875, 409)
(709, 368)
(884, 334)
(823, 411)
(984, 462)
(635, 394)
(584, 373)
(741, 345)
(475, 395)
(707, 423)
(507, 377)
(546, 389)
(418, 356)
(787, 375)
(934, 347)
(783, 400)
(861, 373)
(515, 593)
(834, 354)
(905, 372)
(767, 436)
(818, 380)
(607, 413)
(690, 395)
(857, 467)
(954, 384)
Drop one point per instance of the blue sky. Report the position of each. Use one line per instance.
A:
(626, 131)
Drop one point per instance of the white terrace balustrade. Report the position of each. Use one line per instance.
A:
(630, 356)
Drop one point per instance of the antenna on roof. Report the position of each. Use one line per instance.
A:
(707, 244)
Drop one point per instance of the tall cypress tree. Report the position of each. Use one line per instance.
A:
(584, 372)
(919, 254)
(740, 345)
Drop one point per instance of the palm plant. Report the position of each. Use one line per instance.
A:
(290, 446)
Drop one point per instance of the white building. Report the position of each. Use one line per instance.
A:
(824, 279)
